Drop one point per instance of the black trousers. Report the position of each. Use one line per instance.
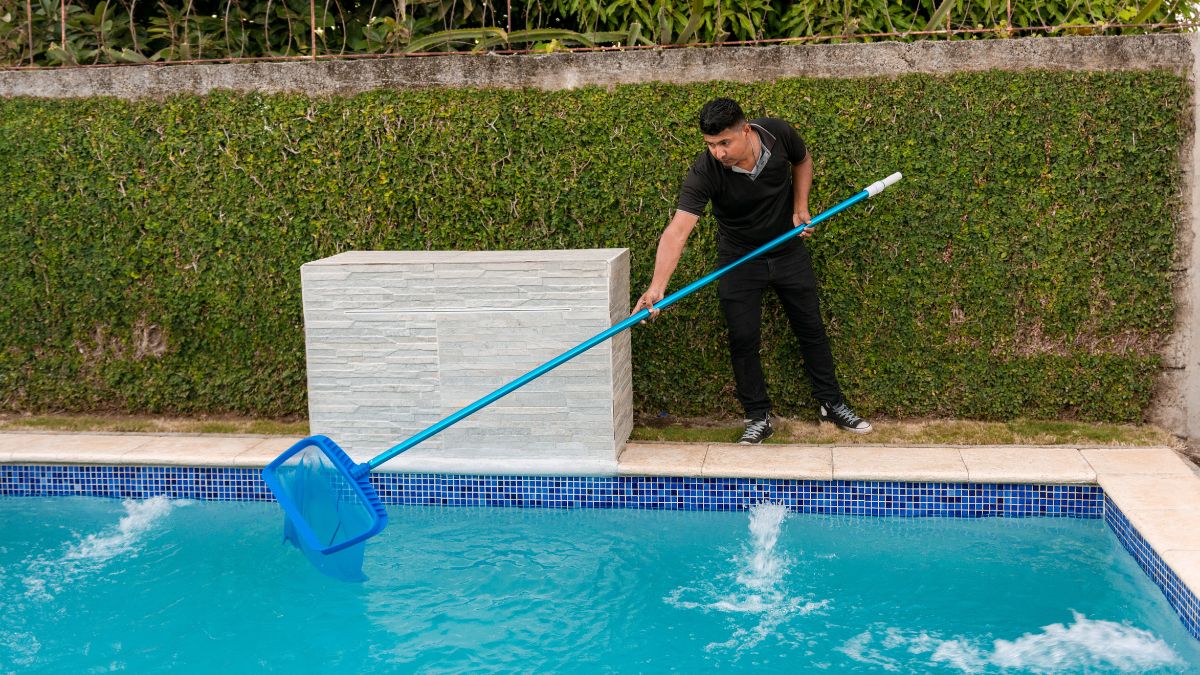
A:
(790, 274)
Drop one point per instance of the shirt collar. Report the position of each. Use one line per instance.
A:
(763, 157)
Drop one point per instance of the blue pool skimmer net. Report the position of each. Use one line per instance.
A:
(330, 507)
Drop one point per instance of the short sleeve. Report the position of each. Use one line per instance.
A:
(695, 193)
(796, 152)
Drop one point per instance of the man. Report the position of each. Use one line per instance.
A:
(757, 175)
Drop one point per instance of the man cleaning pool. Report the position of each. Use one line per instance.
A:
(757, 175)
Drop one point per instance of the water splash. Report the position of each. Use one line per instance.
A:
(756, 588)
(49, 575)
(1083, 645)
(1086, 643)
(763, 567)
(859, 649)
(140, 517)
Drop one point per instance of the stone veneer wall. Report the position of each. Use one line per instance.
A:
(398, 340)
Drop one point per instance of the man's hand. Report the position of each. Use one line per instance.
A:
(801, 217)
(647, 301)
(670, 247)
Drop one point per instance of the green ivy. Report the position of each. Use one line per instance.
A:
(1023, 267)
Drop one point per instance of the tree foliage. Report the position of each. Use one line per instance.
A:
(45, 32)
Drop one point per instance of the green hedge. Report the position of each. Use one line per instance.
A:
(1023, 267)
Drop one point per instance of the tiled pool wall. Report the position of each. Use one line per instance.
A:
(1182, 600)
(838, 497)
(869, 498)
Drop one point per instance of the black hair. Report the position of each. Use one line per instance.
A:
(719, 114)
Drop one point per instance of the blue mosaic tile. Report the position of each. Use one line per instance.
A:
(952, 500)
(1180, 597)
(136, 482)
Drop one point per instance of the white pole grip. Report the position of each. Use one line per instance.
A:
(879, 186)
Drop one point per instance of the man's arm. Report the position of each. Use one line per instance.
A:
(670, 248)
(802, 175)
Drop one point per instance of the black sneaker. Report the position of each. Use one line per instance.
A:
(842, 416)
(757, 430)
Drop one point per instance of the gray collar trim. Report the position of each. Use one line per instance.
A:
(763, 158)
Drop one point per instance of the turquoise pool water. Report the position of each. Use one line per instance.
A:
(94, 585)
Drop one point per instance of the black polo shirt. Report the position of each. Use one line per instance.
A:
(749, 211)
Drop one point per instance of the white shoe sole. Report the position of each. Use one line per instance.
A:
(763, 441)
(868, 430)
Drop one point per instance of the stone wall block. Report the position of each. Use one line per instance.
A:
(397, 341)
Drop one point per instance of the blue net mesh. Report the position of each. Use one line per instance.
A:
(325, 499)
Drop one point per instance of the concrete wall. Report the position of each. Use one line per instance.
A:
(1177, 399)
(568, 70)
(398, 340)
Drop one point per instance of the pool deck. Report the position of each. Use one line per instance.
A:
(1158, 491)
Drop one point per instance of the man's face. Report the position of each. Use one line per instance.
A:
(732, 145)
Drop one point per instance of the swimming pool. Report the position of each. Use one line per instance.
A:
(156, 584)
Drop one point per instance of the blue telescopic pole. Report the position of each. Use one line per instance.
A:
(870, 191)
